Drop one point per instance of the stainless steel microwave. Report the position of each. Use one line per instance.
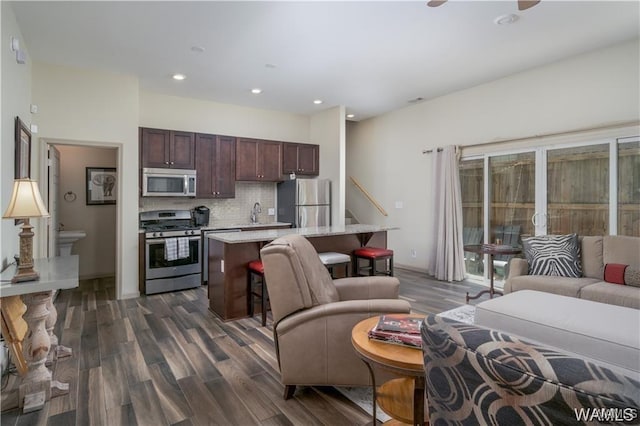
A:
(168, 183)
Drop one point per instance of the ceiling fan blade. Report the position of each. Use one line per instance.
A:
(526, 4)
(436, 3)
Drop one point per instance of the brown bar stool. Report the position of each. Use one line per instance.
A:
(373, 255)
(256, 269)
(331, 259)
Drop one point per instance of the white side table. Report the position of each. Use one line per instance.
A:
(56, 273)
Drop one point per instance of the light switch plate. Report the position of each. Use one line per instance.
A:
(15, 44)
(34, 128)
(399, 204)
(271, 212)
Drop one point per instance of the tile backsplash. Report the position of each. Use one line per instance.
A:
(228, 211)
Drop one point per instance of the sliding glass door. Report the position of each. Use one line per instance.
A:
(588, 189)
(578, 190)
(472, 185)
(512, 191)
(628, 194)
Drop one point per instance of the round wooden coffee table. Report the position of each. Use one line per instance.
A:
(402, 398)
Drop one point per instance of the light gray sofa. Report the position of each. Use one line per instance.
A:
(596, 253)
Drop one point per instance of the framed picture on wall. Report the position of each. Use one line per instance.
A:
(23, 150)
(101, 185)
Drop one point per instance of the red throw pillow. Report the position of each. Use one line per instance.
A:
(614, 273)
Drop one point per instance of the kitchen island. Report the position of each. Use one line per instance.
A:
(230, 252)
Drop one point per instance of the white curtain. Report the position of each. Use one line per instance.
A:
(445, 259)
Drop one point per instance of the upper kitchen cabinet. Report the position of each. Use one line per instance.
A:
(167, 149)
(258, 160)
(301, 158)
(215, 166)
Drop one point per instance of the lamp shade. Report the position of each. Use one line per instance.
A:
(25, 201)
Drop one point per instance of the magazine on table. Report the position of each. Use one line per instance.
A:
(399, 329)
(400, 323)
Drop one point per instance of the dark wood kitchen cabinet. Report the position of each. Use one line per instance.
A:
(215, 166)
(258, 160)
(300, 158)
(167, 149)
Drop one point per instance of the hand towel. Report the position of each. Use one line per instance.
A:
(170, 249)
(183, 247)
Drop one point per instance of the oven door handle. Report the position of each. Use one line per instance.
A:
(162, 239)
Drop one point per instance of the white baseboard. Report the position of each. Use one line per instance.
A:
(410, 268)
(95, 276)
(130, 296)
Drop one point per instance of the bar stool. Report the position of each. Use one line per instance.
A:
(372, 255)
(256, 269)
(331, 259)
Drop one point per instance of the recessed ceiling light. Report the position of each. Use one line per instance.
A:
(350, 115)
(179, 76)
(317, 101)
(506, 19)
(256, 91)
(197, 49)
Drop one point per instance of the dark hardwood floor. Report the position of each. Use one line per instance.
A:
(166, 359)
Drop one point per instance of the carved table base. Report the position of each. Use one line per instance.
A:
(37, 387)
(57, 351)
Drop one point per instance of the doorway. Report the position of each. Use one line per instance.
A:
(71, 209)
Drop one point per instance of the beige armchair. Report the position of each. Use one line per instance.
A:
(313, 315)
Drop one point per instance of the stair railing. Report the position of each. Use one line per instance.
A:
(368, 196)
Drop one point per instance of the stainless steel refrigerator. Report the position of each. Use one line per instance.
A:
(305, 202)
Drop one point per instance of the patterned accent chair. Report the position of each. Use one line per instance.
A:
(313, 315)
(481, 376)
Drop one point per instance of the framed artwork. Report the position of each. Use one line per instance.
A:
(101, 185)
(23, 150)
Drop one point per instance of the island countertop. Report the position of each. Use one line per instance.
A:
(319, 231)
(230, 252)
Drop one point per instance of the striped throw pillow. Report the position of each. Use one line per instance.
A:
(555, 255)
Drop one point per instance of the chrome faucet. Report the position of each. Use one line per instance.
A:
(254, 212)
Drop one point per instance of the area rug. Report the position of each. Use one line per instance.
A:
(363, 398)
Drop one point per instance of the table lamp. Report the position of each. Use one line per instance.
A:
(25, 203)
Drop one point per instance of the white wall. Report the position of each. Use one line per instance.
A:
(327, 129)
(97, 250)
(194, 115)
(99, 109)
(16, 97)
(385, 153)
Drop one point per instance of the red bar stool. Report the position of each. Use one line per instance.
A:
(331, 259)
(372, 256)
(256, 269)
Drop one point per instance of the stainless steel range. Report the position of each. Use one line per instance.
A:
(172, 251)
